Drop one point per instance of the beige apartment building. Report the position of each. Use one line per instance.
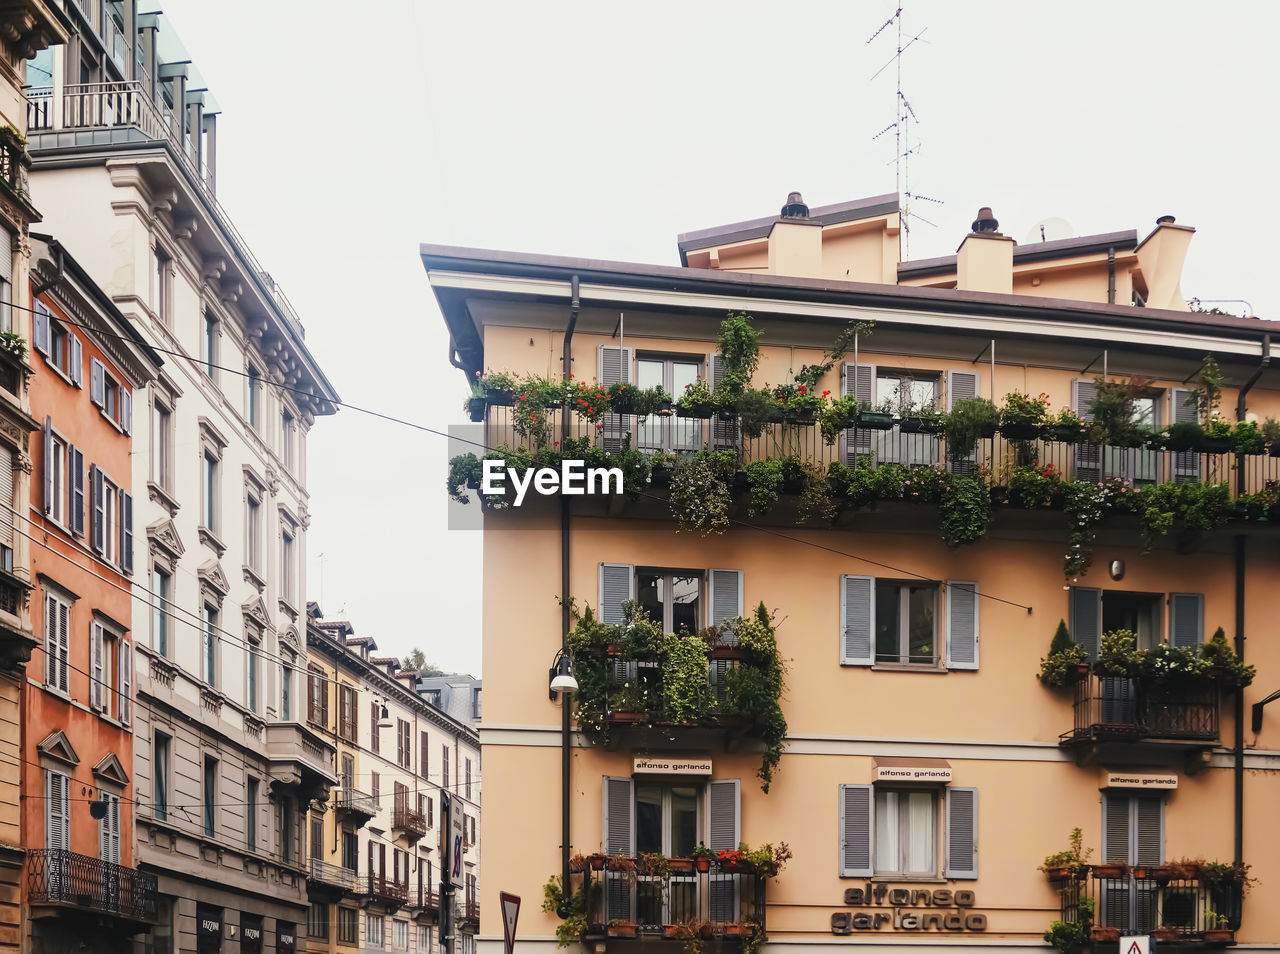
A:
(913, 578)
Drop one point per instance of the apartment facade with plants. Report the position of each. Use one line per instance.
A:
(824, 612)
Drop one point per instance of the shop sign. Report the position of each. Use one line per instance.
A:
(1140, 780)
(907, 909)
(672, 766)
(285, 940)
(208, 924)
(912, 773)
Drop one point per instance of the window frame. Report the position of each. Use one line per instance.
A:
(209, 795)
(667, 576)
(61, 654)
(349, 932)
(162, 431)
(903, 821)
(210, 333)
(161, 752)
(369, 921)
(161, 588)
(164, 284)
(904, 657)
(210, 650)
(674, 435)
(252, 789)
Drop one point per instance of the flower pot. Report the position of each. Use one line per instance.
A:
(1108, 871)
(700, 410)
(1219, 936)
(681, 865)
(874, 420)
(623, 929)
(1190, 871)
(496, 397)
(596, 862)
(736, 867)
(1166, 934)
(910, 425)
(703, 865)
(1105, 934)
(1020, 431)
(629, 716)
(1161, 873)
(837, 487)
(706, 930)
(999, 494)
(799, 418)
(727, 652)
(1062, 433)
(1060, 873)
(671, 930)
(1214, 445)
(1080, 670)
(475, 409)
(664, 408)
(734, 930)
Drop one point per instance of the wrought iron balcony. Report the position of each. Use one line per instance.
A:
(427, 899)
(411, 822)
(725, 898)
(1115, 709)
(1170, 901)
(355, 802)
(56, 876)
(385, 891)
(335, 878)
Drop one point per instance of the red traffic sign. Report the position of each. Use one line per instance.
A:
(510, 905)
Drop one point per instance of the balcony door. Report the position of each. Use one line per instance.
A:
(1132, 834)
(673, 433)
(907, 394)
(667, 822)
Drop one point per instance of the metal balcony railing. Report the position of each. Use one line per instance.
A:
(1117, 709)
(719, 896)
(58, 876)
(385, 890)
(1147, 899)
(333, 875)
(426, 898)
(358, 802)
(409, 821)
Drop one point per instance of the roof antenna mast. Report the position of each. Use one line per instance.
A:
(903, 118)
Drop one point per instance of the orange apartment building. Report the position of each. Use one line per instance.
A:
(914, 578)
(82, 890)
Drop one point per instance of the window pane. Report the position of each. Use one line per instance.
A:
(684, 820)
(686, 431)
(921, 633)
(648, 819)
(920, 821)
(886, 830)
(649, 592)
(887, 622)
(684, 603)
(649, 373)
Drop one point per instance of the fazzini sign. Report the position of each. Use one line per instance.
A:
(910, 909)
(573, 478)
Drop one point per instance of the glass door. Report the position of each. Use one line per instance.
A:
(907, 395)
(667, 822)
(673, 434)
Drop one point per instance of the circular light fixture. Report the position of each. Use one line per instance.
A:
(562, 682)
(1117, 569)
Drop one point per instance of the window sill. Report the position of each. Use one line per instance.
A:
(160, 495)
(210, 539)
(913, 879)
(908, 667)
(253, 577)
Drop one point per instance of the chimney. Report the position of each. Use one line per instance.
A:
(984, 261)
(1160, 259)
(795, 241)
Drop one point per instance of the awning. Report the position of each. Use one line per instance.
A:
(892, 768)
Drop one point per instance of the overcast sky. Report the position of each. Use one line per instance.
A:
(351, 133)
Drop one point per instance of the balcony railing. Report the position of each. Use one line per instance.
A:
(1117, 709)
(357, 802)
(1149, 899)
(385, 890)
(721, 897)
(58, 876)
(334, 876)
(411, 822)
(426, 898)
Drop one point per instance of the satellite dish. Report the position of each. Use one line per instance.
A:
(1049, 230)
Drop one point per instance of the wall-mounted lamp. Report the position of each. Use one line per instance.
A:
(1257, 707)
(1117, 569)
(561, 675)
(384, 718)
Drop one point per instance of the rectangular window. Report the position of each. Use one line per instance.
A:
(467, 778)
(318, 920)
(475, 704)
(285, 816)
(350, 850)
(348, 925)
(164, 284)
(430, 813)
(55, 484)
(400, 935)
(444, 766)
(404, 748)
(317, 698)
(375, 733)
(347, 713)
(109, 514)
(111, 397)
(286, 565)
(286, 694)
(209, 497)
(253, 532)
(160, 749)
(906, 394)
(252, 649)
(1140, 613)
(57, 645)
(160, 611)
(905, 623)
(373, 930)
(374, 781)
(57, 811)
(210, 346)
(107, 679)
(252, 396)
(906, 832)
(673, 599)
(209, 646)
(162, 446)
(424, 939)
(210, 795)
(251, 814)
(672, 374)
(287, 436)
(250, 933)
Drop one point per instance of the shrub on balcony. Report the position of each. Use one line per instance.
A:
(1224, 664)
(756, 408)
(534, 400)
(1118, 654)
(964, 511)
(969, 420)
(498, 386)
(686, 678)
(755, 691)
(1022, 416)
(1111, 412)
(1065, 654)
(1071, 862)
(696, 400)
(587, 400)
(1067, 936)
(739, 349)
(837, 417)
(13, 344)
(764, 484)
(570, 908)
(700, 491)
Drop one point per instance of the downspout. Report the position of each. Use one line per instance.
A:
(453, 355)
(1240, 543)
(565, 617)
(1111, 276)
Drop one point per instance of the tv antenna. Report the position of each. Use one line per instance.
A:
(904, 117)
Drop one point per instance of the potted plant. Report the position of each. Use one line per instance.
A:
(621, 928)
(1183, 436)
(1067, 936)
(475, 403)
(702, 856)
(646, 403)
(1066, 663)
(588, 400)
(1104, 934)
(876, 418)
(731, 861)
(1118, 655)
(1217, 437)
(596, 861)
(499, 388)
(1247, 438)
(1217, 928)
(696, 401)
(925, 419)
(1110, 870)
(1166, 933)
(837, 417)
(1064, 427)
(1071, 863)
(804, 405)
(969, 421)
(623, 866)
(1270, 430)
(577, 864)
(756, 408)
(1022, 417)
(661, 467)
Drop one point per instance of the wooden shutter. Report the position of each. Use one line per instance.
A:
(97, 382)
(961, 386)
(96, 651)
(75, 359)
(63, 631)
(110, 830)
(50, 641)
(126, 533)
(47, 439)
(40, 329)
(962, 625)
(57, 821)
(724, 428)
(126, 410)
(375, 734)
(725, 598)
(857, 829)
(1186, 464)
(1115, 829)
(1186, 620)
(402, 797)
(125, 682)
(613, 366)
(724, 832)
(617, 585)
(75, 480)
(857, 620)
(962, 833)
(1149, 818)
(424, 755)
(1085, 618)
(97, 526)
(1088, 457)
(617, 837)
(859, 382)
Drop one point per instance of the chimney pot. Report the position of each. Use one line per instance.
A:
(795, 207)
(1165, 220)
(986, 221)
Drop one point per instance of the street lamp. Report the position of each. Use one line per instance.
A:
(561, 675)
(384, 718)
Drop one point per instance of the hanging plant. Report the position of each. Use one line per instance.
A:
(964, 511)
(700, 491)
(739, 348)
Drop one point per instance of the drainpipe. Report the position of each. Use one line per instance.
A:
(565, 706)
(1111, 276)
(453, 355)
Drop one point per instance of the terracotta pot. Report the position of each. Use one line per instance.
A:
(624, 929)
(682, 865)
(734, 930)
(1105, 934)
(596, 862)
(1165, 934)
(1219, 936)
(736, 867)
(702, 864)
(1108, 871)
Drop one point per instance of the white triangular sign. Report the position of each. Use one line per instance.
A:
(510, 914)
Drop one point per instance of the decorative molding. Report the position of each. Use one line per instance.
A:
(57, 746)
(253, 578)
(289, 638)
(24, 461)
(111, 770)
(211, 700)
(273, 481)
(212, 270)
(254, 726)
(210, 432)
(162, 537)
(185, 226)
(287, 608)
(160, 202)
(211, 540)
(255, 611)
(163, 671)
(304, 516)
(214, 585)
(159, 495)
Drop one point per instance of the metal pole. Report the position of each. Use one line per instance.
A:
(446, 883)
(993, 370)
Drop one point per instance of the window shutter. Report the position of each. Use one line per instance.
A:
(97, 527)
(97, 382)
(40, 329)
(1186, 464)
(859, 382)
(123, 709)
(724, 428)
(424, 755)
(1085, 618)
(50, 641)
(725, 598)
(962, 833)
(613, 366)
(57, 834)
(962, 625)
(961, 386)
(75, 358)
(617, 585)
(1088, 457)
(857, 620)
(126, 411)
(126, 533)
(1150, 831)
(1115, 829)
(96, 697)
(857, 805)
(48, 465)
(1186, 620)
(7, 508)
(724, 832)
(64, 643)
(75, 477)
(617, 836)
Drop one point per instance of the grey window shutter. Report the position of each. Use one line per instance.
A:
(613, 366)
(1116, 832)
(40, 329)
(126, 533)
(859, 382)
(1085, 618)
(126, 411)
(1186, 464)
(7, 508)
(617, 837)
(97, 529)
(125, 682)
(48, 464)
(962, 625)
(1088, 457)
(726, 598)
(96, 698)
(75, 478)
(617, 583)
(6, 255)
(50, 641)
(97, 382)
(56, 818)
(1149, 843)
(724, 833)
(724, 428)
(75, 359)
(961, 386)
(962, 833)
(1186, 620)
(857, 620)
(857, 830)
